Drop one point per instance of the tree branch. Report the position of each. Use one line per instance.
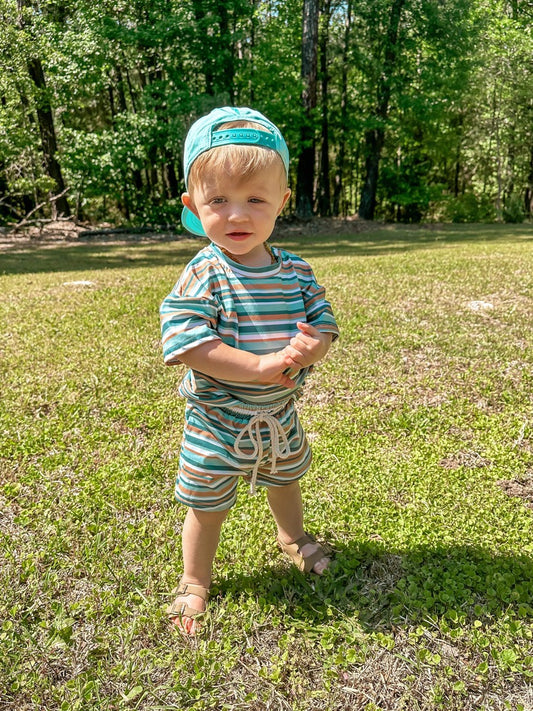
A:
(26, 220)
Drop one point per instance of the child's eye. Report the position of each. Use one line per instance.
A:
(256, 200)
(217, 201)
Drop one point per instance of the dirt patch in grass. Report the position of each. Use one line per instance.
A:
(64, 233)
(468, 459)
(520, 488)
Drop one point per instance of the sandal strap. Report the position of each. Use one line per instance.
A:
(181, 609)
(303, 540)
(293, 550)
(192, 589)
(178, 608)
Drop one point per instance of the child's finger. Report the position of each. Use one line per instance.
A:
(302, 346)
(301, 339)
(304, 338)
(286, 381)
(290, 356)
(296, 354)
(307, 328)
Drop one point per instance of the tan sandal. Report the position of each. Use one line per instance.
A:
(304, 563)
(180, 610)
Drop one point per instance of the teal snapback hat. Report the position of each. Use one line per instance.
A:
(203, 135)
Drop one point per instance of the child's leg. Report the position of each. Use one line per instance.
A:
(286, 506)
(200, 537)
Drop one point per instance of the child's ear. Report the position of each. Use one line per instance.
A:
(186, 199)
(286, 196)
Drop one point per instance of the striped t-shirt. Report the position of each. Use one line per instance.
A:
(254, 309)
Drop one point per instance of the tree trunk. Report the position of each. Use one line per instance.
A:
(528, 195)
(375, 137)
(509, 185)
(253, 25)
(458, 155)
(324, 192)
(171, 178)
(341, 154)
(199, 16)
(120, 90)
(306, 162)
(123, 108)
(112, 109)
(457, 172)
(131, 90)
(374, 141)
(226, 67)
(48, 136)
(28, 201)
(499, 181)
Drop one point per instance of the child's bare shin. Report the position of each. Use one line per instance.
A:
(201, 534)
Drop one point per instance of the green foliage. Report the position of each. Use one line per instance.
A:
(451, 96)
(469, 208)
(513, 210)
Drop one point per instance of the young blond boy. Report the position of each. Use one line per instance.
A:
(250, 321)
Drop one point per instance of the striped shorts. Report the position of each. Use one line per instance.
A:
(220, 445)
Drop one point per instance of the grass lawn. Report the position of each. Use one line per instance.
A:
(422, 431)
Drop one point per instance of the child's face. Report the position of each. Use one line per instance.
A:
(239, 216)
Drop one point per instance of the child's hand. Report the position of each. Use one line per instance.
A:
(271, 369)
(309, 346)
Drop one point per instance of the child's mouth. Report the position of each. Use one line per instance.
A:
(238, 235)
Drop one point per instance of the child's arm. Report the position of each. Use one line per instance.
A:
(309, 346)
(224, 362)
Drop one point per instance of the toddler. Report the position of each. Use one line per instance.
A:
(249, 321)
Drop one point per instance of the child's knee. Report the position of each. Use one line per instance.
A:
(212, 519)
(283, 489)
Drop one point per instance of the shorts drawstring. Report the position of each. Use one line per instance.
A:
(278, 439)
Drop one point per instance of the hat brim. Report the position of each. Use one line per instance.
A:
(192, 223)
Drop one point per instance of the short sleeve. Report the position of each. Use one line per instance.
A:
(317, 307)
(189, 316)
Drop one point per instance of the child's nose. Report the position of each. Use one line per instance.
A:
(237, 212)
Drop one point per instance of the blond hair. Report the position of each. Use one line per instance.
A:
(239, 161)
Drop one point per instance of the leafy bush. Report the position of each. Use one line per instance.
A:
(468, 208)
(513, 210)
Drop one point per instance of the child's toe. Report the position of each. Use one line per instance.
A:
(321, 565)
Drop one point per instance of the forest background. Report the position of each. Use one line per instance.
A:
(402, 110)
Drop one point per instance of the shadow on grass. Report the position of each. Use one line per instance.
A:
(383, 589)
(396, 239)
(391, 239)
(95, 256)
